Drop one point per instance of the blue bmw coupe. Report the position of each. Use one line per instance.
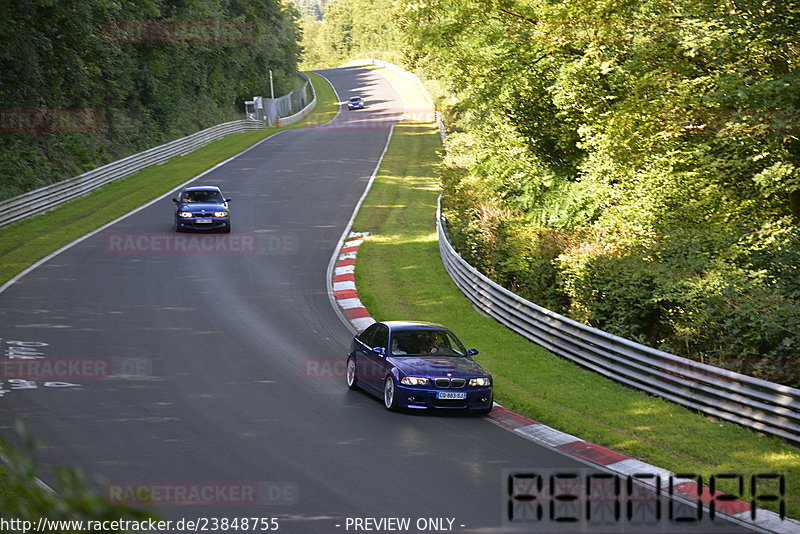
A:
(416, 365)
(202, 208)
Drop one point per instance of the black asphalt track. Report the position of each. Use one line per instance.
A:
(222, 354)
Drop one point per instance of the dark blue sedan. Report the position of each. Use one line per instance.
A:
(202, 208)
(418, 365)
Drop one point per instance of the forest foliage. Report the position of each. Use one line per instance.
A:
(350, 29)
(633, 165)
(85, 83)
(313, 9)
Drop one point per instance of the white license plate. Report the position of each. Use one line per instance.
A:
(451, 395)
(203, 221)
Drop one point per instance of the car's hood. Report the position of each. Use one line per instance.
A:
(439, 366)
(201, 206)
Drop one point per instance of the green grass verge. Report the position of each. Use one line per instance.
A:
(25, 242)
(400, 275)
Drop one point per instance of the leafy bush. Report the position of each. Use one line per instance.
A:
(635, 166)
(23, 498)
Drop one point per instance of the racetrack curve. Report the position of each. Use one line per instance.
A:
(222, 354)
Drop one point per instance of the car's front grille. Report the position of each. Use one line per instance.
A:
(450, 382)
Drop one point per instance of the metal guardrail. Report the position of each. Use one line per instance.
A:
(764, 406)
(279, 110)
(51, 196)
(761, 405)
(297, 117)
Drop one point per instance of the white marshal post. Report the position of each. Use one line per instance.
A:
(271, 89)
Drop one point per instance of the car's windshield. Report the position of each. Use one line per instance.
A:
(355, 99)
(426, 342)
(206, 196)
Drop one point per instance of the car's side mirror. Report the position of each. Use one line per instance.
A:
(380, 351)
(472, 352)
(175, 200)
(228, 199)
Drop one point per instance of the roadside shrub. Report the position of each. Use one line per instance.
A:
(23, 498)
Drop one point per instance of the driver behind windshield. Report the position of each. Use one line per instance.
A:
(202, 196)
(423, 343)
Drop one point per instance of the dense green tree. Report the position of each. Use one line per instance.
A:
(141, 72)
(632, 164)
(313, 9)
(352, 29)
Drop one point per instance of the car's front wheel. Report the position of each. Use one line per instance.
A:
(390, 394)
(352, 376)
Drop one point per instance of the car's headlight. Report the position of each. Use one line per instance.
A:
(220, 214)
(185, 214)
(480, 381)
(415, 381)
